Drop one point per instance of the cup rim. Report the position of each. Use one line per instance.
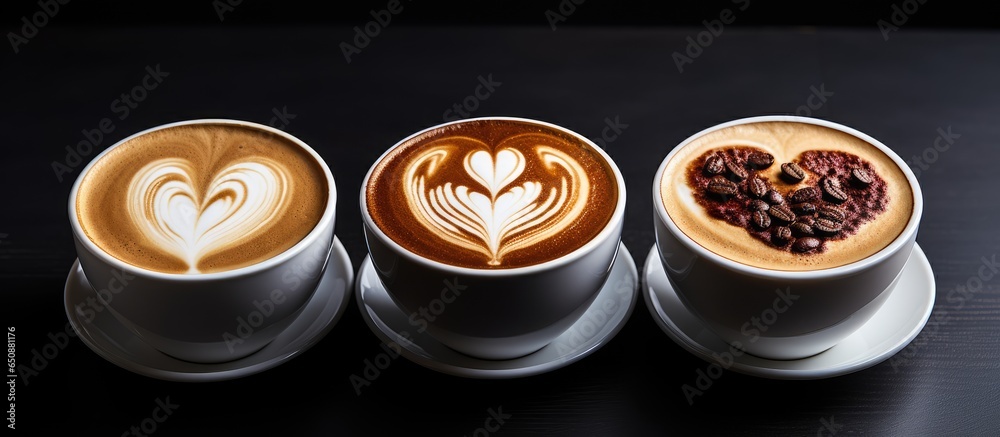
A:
(306, 241)
(606, 232)
(867, 262)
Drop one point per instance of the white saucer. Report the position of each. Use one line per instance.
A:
(111, 340)
(606, 316)
(898, 322)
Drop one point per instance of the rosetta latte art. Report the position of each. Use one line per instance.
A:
(191, 222)
(497, 216)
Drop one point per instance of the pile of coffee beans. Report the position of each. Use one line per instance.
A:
(802, 218)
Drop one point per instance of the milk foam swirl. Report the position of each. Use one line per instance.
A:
(496, 218)
(189, 221)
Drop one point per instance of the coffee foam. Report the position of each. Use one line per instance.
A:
(786, 141)
(201, 198)
(492, 194)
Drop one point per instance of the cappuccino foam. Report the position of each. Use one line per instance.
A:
(201, 198)
(818, 149)
(492, 194)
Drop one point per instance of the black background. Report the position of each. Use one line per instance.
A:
(850, 13)
(607, 60)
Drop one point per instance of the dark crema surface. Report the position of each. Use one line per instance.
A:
(492, 194)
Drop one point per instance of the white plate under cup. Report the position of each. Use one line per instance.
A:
(210, 317)
(781, 314)
(503, 313)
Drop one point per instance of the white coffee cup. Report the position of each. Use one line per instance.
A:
(496, 314)
(816, 309)
(209, 317)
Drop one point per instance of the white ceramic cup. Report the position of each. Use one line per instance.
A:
(496, 314)
(208, 317)
(811, 311)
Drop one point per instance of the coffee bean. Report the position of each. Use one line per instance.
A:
(861, 177)
(760, 160)
(801, 229)
(757, 187)
(828, 226)
(715, 165)
(793, 172)
(831, 186)
(736, 169)
(806, 244)
(782, 233)
(807, 194)
(782, 212)
(759, 205)
(774, 197)
(721, 186)
(804, 208)
(831, 212)
(761, 219)
(806, 219)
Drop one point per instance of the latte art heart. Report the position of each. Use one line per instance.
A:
(492, 194)
(191, 222)
(497, 216)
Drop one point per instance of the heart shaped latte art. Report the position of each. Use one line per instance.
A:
(497, 217)
(192, 222)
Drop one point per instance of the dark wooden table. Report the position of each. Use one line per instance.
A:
(905, 91)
